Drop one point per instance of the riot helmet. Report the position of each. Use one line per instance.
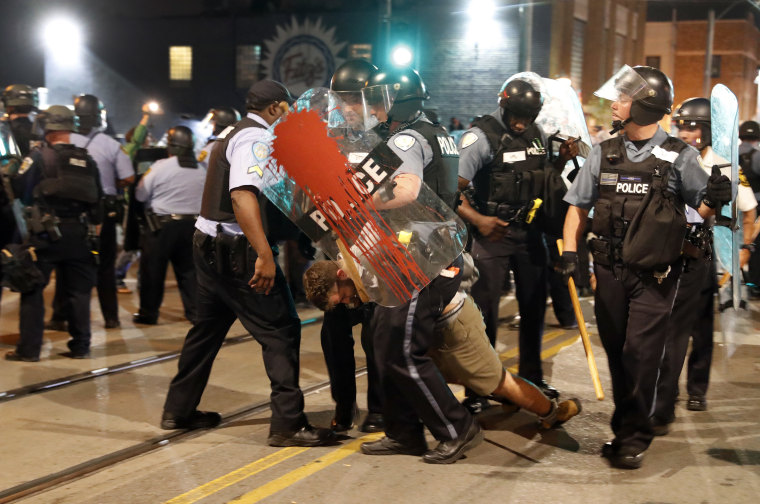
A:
(394, 95)
(345, 97)
(57, 118)
(222, 117)
(694, 115)
(20, 98)
(90, 112)
(180, 141)
(521, 98)
(749, 130)
(648, 89)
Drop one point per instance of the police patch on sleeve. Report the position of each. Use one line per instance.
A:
(202, 155)
(404, 142)
(743, 179)
(468, 139)
(260, 151)
(25, 165)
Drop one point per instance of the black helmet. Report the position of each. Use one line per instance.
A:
(180, 141)
(695, 112)
(520, 98)
(407, 88)
(58, 118)
(649, 109)
(352, 75)
(20, 98)
(749, 130)
(223, 117)
(90, 111)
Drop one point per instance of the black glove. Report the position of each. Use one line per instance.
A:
(568, 266)
(718, 189)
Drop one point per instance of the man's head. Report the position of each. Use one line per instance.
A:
(180, 141)
(58, 118)
(90, 112)
(749, 131)
(395, 95)
(20, 99)
(520, 103)
(222, 117)
(641, 95)
(346, 87)
(269, 99)
(692, 117)
(327, 285)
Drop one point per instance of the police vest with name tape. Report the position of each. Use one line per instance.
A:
(623, 184)
(745, 161)
(441, 174)
(70, 181)
(515, 176)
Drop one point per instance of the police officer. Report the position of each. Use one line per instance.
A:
(693, 315)
(413, 388)
(749, 134)
(61, 185)
(20, 102)
(504, 156)
(347, 119)
(238, 277)
(633, 301)
(221, 119)
(116, 172)
(171, 191)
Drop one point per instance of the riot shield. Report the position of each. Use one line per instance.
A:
(561, 118)
(338, 188)
(724, 111)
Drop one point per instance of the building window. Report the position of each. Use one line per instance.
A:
(180, 63)
(576, 53)
(247, 63)
(619, 56)
(715, 70)
(357, 51)
(653, 61)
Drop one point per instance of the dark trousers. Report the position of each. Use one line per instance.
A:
(106, 278)
(693, 317)
(632, 313)
(271, 319)
(754, 266)
(413, 388)
(527, 260)
(561, 302)
(338, 348)
(72, 259)
(171, 243)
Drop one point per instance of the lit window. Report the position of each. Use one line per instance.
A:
(181, 63)
(356, 51)
(247, 62)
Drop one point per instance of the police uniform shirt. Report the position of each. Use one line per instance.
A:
(475, 151)
(684, 178)
(113, 163)
(205, 154)
(745, 147)
(168, 188)
(413, 149)
(248, 154)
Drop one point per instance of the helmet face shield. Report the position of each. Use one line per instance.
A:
(346, 110)
(625, 85)
(377, 102)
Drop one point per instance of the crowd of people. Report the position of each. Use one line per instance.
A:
(654, 197)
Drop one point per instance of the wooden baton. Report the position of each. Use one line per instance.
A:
(584, 335)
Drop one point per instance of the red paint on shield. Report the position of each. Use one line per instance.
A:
(314, 162)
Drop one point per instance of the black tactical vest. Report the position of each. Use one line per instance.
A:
(216, 204)
(441, 173)
(745, 161)
(515, 176)
(70, 181)
(623, 185)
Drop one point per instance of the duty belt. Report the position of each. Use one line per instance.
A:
(164, 218)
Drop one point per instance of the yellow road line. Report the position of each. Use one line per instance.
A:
(513, 352)
(304, 471)
(235, 476)
(551, 351)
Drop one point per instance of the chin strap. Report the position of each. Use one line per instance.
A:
(618, 125)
